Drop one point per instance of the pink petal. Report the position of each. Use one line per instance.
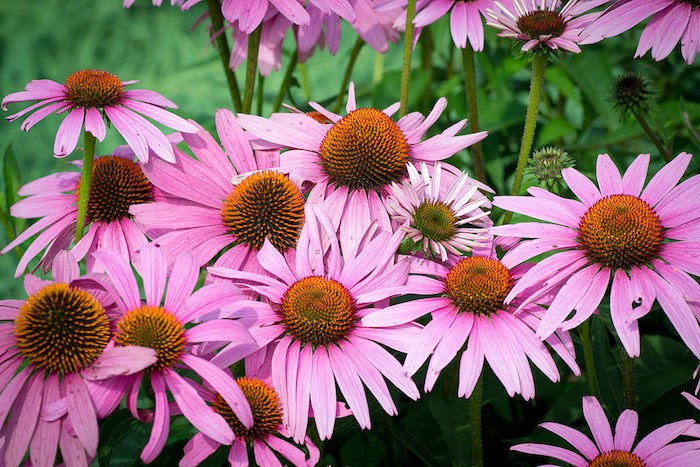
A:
(153, 271)
(81, 412)
(161, 420)
(197, 449)
(350, 385)
(626, 430)
(660, 437)
(634, 177)
(598, 423)
(42, 451)
(23, 420)
(120, 361)
(573, 437)
(69, 132)
(322, 395)
(608, 176)
(551, 451)
(665, 179)
(196, 411)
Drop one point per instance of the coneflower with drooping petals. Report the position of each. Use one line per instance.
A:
(92, 96)
(640, 242)
(311, 321)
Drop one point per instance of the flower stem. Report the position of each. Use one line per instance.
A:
(217, 23)
(585, 333)
(629, 374)
(251, 68)
(475, 424)
(85, 181)
(407, 52)
(286, 80)
(260, 96)
(665, 153)
(539, 63)
(348, 73)
(469, 68)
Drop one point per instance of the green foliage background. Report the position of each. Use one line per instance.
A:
(52, 38)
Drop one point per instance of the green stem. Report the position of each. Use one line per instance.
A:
(260, 96)
(585, 333)
(217, 23)
(475, 424)
(286, 81)
(348, 73)
(251, 68)
(652, 135)
(305, 84)
(469, 67)
(427, 65)
(85, 181)
(629, 374)
(539, 63)
(407, 52)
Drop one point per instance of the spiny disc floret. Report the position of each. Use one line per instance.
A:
(94, 88)
(365, 149)
(318, 310)
(154, 327)
(61, 329)
(621, 231)
(541, 23)
(478, 285)
(435, 220)
(117, 184)
(265, 205)
(617, 458)
(265, 405)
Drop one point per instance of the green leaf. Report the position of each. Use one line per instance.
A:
(452, 416)
(11, 177)
(362, 449)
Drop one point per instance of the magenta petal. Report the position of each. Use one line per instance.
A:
(42, 451)
(660, 437)
(598, 423)
(120, 361)
(621, 310)
(197, 449)
(350, 385)
(264, 455)
(238, 455)
(10, 392)
(161, 420)
(235, 141)
(573, 437)
(323, 396)
(23, 420)
(551, 451)
(299, 421)
(69, 132)
(470, 365)
(81, 412)
(72, 450)
(224, 384)
(94, 123)
(153, 271)
(626, 430)
(665, 179)
(181, 283)
(633, 180)
(196, 411)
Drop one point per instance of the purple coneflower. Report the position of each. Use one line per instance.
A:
(52, 343)
(353, 161)
(223, 198)
(672, 21)
(544, 24)
(90, 97)
(159, 323)
(441, 219)
(641, 242)
(267, 436)
(248, 15)
(117, 184)
(655, 449)
(469, 309)
(311, 320)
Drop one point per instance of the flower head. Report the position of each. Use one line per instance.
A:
(607, 449)
(641, 242)
(90, 97)
(311, 321)
(247, 16)
(469, 309)
(117, 184)
(159, 324)
(672, 21)
(353, 160)
(237, 199)
(267, 436)
(54, 343)
(543, 25)
(440, 220)
(630, 93)
(546, 165)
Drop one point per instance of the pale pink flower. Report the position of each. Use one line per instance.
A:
(311, 320)
(224, 198)
(441, 219)
(268, 436)
(545, 24)
(159, 323)
(53, 343)
(672, 21)
(117, 183)
(643, 243)
(92, 96)
(351, 174)
(469, 316)
(274, 28)
(655, 449)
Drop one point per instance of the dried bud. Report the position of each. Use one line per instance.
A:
(630, 92)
